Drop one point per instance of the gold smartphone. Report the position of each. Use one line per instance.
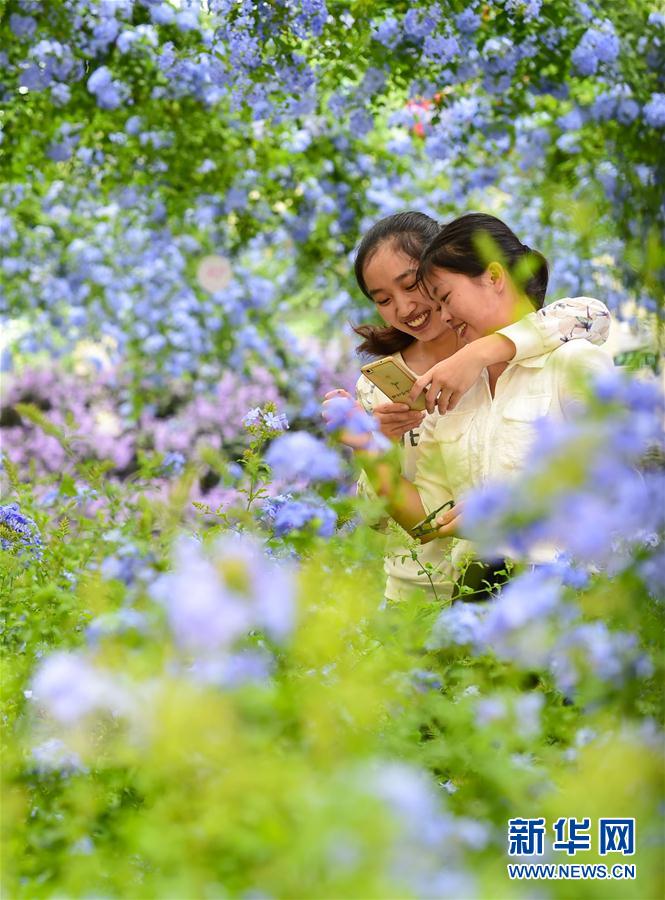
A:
(394, 380)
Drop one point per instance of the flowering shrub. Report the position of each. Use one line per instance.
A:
(204, 692)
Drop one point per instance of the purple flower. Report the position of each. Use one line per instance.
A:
(301, 457)
(214, 598)
(610, 656)
(440, 48)
(110, 94)
(344, 414)
(387, 32)
(162, 13)
(409, 795)
(18, 531)
(54, 755)
(458, 624)
(70, 688)
(245, 667)
(22, 26)
(654, 111)
(468, 21)
(518, 624)
(275, 421)
(598, 45)
(61, 94)
(293, 515)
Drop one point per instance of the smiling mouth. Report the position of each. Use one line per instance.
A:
(417, 323)
(460, 329)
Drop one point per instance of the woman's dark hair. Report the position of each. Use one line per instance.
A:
(458, 247)
(409, 232)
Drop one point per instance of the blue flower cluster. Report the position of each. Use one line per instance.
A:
(346, 416)
(18, 532)
(598, 46)
(599, 516)
(214, 597)
(288, 514)
(301, 457)
(533, 625)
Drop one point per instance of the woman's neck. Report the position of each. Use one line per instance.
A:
(422, 355)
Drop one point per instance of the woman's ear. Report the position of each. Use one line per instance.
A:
(497, 276)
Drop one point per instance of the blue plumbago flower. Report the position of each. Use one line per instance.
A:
(490, 709)
(410, 796)
(22, 26)
(215, 597)
(424, 680)
(270, 420)
(69, 688)
(527, 709)
(302, 457)
(468, 21)
(654, 111)
(18, 531)
(610, 656)
(598, 45)
(387, 32)
(528, 9)
(53, 755)
(173, 463)
(293, 515)
(519, 624)
(275, 421)
(253, 417)
(458, 624)
(116, 622)
(418, 23)
(109, 92)
(344, 414)
(162, 13)
(246, 666)
(652, 572)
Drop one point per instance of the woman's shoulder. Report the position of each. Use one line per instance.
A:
(581, 356)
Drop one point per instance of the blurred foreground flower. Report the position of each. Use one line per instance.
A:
(591, 487)
(357, 427)
(214, 597)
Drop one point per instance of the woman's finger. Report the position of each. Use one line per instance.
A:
(392, 408)
(444, 401)
(419, 386)
(338, 392)
(455, 398)
(393, 416)
(430, 397)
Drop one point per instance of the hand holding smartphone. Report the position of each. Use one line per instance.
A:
(394, 380)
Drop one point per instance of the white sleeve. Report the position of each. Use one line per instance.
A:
(365, 393)
(557, 323)
(430, 480)
(578, 363)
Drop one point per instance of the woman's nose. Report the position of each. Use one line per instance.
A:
(444, 313)
(406, 303)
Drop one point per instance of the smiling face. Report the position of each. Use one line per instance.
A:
(389, 278)
(472, 307)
